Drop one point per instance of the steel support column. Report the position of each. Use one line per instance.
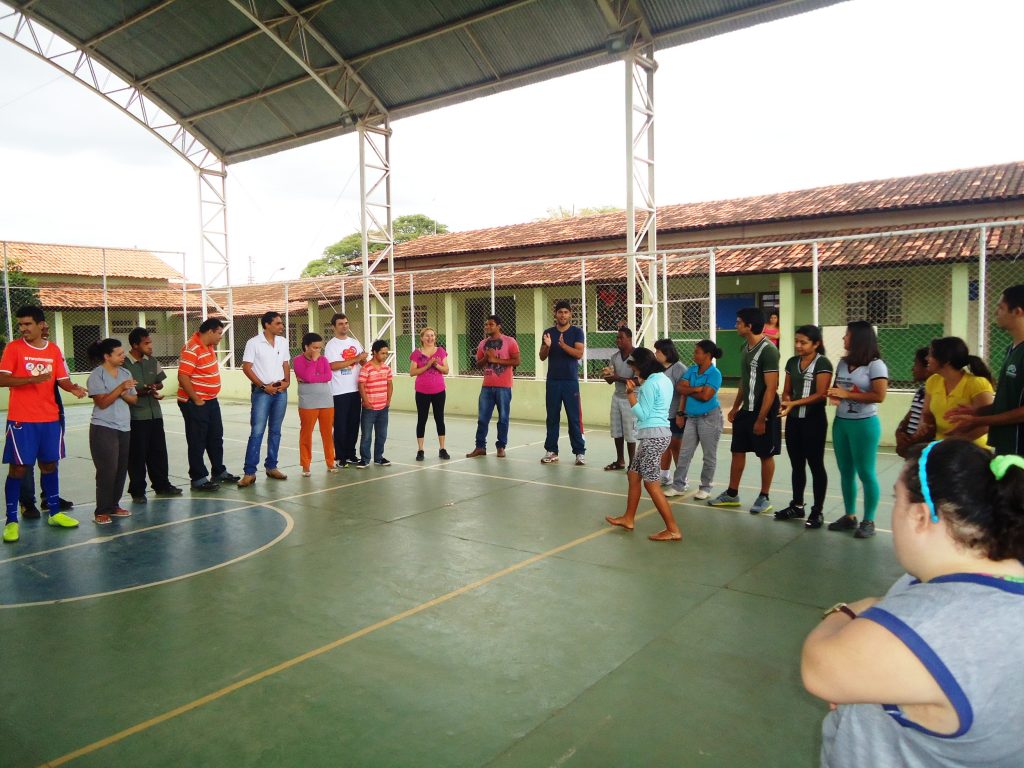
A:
(641, 240)
(376, 223)
(211, 187)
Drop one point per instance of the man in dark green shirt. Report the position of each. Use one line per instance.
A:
(756, 426)
(1005, 417)
(148, 447)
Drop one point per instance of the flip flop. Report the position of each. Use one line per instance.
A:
(613, 466)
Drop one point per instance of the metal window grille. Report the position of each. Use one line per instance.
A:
(879, 302)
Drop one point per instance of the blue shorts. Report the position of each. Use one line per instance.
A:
(31, 442)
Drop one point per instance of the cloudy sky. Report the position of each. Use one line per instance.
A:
(867, 89)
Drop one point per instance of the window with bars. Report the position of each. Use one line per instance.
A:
(120, 326)
(688, 312)
(414, 319)
(612, 306)
(575, 304)
(880, 302)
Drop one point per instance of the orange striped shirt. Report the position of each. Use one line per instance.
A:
(199, 363)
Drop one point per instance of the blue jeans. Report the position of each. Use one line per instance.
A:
(490, 397)
(564, 393)
(377, 421)
(267, 411)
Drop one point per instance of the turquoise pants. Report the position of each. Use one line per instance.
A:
(856, 445)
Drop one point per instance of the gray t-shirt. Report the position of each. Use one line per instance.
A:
(621, 368)
(966, 629)
(118, 414)
(858, 380)
(674, 372)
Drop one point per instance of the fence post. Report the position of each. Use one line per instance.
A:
(493, 312)
(7, 298)
(664, 293)
(287, 319)
(184, 302)
(412, 315)
(343, 295)
(814, 283)
(712, 291)
(106, 306)
(982, 291)
(583, 311)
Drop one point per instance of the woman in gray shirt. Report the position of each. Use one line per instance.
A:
(112, 390)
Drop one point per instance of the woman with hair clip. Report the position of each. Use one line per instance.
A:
(950, 386)
(861, 383)
(650, 403)
(808, 374)
(932, 674)
(112, 390)
(699, 416)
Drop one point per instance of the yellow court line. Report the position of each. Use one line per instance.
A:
(308, 655)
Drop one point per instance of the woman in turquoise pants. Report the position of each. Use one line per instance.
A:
(861, 383)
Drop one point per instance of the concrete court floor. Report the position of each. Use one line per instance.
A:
(465, 613)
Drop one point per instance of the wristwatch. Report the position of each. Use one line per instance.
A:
(839, 608)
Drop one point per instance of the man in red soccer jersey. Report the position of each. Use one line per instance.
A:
(34, 432)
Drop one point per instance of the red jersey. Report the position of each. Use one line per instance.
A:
(374, 379)
(33, 403)
(200, 364)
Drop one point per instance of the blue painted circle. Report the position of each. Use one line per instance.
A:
(167, 539)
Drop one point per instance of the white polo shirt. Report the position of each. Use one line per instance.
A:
(267, 360)
(345, 380)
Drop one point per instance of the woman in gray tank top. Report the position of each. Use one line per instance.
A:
(941, 654)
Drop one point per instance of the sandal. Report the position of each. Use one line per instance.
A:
(613, 466)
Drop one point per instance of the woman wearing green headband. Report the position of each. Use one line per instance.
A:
(932, 674)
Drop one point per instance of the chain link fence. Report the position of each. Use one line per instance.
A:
(912, 285)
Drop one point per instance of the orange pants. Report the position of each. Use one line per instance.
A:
(307, 418)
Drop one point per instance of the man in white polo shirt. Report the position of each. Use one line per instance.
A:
(346, 357)
(265, 363)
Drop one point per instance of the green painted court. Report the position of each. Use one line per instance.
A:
(463, 613)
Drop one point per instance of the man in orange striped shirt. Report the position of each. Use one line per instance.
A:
(198, 387)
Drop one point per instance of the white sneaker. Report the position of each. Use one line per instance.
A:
(549, 458)
(581, 460)
(670, 492)
(305, 473)
(701, 495)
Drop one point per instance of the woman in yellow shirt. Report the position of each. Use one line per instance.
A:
(950, 386)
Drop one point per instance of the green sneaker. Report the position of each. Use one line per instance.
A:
(724, 500)
(10, 533)
(60, 520)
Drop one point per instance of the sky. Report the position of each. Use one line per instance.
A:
(863, 90)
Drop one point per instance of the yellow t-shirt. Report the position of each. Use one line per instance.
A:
(969, 387)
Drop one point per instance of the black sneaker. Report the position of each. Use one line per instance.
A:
(30, 512)
(443, 454)
(204, 485)
(170, 490)
(352, 462)
(64, 505)
(844, 523)
(382, 462)
(866, 530)
(419, 455)
(362, 464)
(815, 520)
(792, 512)
(139, 499)
(226, 477)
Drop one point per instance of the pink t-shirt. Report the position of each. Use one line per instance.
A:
(431, 381)
(506, 347)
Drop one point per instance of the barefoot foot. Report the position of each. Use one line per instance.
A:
(619, 521)
(666, 535)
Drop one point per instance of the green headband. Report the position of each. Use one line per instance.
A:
(1000, 464)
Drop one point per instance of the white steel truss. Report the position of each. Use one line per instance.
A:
(86, 67)
(642, 241)
(376, 223)
(213, 250)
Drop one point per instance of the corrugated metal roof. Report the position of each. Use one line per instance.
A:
(238, 89)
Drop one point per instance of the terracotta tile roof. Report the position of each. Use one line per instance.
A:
(47, 259)
(56, 297)
(951, 188)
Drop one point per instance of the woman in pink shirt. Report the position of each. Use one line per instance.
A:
(428, 368)
(316, 404)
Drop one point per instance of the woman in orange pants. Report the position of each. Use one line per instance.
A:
(316, 404)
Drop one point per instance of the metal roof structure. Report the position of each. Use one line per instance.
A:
(222, 81)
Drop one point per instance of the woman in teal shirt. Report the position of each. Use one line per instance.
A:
(650, 403)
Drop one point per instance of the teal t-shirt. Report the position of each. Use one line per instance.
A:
(712, 377)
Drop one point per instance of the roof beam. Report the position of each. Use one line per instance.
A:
(97, 39)
(254, 96)
(302, 35)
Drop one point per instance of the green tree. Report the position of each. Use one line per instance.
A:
(24, 290)
(561, 212)
(350, 247)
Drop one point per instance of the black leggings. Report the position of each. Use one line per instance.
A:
(805, 442)
(423, 403)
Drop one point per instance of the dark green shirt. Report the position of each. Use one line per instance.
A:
(804, 383)
(755, 362)
(1009, 438)
(145, 371)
